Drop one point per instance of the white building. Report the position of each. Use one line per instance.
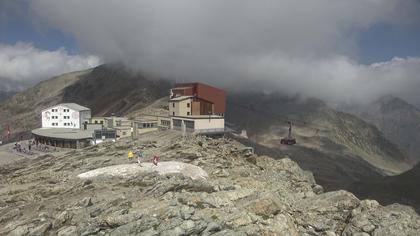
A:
(65, 115)
(199, 124)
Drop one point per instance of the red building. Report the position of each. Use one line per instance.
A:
(200, 99)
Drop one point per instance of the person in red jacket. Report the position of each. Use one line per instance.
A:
(155, 160)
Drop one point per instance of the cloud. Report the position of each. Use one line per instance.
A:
(24, 64)
(335, 79)
(283, 45)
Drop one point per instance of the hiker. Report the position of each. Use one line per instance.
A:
(29, 145)
(19, 147)
(138, 154)
(155, 160)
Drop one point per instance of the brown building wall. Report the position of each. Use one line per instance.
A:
(205, 92)
(206, 108)
(182, 91)
(195, 108)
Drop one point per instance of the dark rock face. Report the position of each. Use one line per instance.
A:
(112, 89)
(397, 119)
(264, 197)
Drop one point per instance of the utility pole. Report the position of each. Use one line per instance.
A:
(184, 129)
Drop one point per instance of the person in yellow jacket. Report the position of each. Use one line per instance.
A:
(130, 155)
(136, 152)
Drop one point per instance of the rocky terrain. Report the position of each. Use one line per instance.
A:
(397, 119)
(402, 188)
(244, 194)
(339, 148)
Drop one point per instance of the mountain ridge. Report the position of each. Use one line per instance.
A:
(396, 118)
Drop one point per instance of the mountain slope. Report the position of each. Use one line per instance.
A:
(105, 89)
(6, 94)
(22, 111)
(337, 147)
(397, 119)
(112, 89)
(402, 188)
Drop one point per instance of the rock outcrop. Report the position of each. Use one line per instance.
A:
(244, 194)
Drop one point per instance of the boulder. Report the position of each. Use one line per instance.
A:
(266, 206)
(67, 231)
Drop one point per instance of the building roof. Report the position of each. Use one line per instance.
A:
(122, 127)
(146, 120)
(199, 117)
(205, 92)
(72, 106)
(180, 98)
(63, 133)
(116, 118)
(75, 106)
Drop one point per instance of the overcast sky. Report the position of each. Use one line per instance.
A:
(337, 50)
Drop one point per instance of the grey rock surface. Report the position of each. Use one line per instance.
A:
(262, 196)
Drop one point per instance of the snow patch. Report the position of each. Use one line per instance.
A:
(131, 170)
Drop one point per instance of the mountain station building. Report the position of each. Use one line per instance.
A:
(64, 125)
(197, 108)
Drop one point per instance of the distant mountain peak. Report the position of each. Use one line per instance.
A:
(392, 103)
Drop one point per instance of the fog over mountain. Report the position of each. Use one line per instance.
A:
(22, 65)
(285, 46)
